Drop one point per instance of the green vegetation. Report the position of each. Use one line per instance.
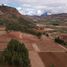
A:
(46, 34)
(13, 26)
(39, 35)
(62, 30)
(54, 22)
(21, 25)
(13, 16)
(2, 22)
(16, 54)
(58, 40)
(15, 21)
(52, 65)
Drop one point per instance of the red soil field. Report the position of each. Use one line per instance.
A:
(58, 59)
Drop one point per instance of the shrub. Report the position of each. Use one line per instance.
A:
(16, 54)
(38, 34)
(52, 65)
(58, 40)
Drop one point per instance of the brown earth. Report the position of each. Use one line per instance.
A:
(57, 59)
(49, 54)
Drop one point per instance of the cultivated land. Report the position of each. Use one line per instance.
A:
(43, 52)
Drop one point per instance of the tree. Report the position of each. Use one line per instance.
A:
(52, 65)
(60, 41)
(16, 54)
(13, 26)
(39, 34)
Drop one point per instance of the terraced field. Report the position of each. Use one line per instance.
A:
(43, 52)
(55, 59)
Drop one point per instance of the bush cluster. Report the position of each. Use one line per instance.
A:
(16, 54)
(60, 41)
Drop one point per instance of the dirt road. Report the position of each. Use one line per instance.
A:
(48, 45)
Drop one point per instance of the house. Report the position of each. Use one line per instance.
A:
(63, 37)
(39, 28)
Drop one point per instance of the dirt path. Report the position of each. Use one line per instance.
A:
(48, 45)
(35, 59)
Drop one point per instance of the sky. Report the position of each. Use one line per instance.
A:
(37, 7)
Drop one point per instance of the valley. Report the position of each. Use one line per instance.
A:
(44, 37)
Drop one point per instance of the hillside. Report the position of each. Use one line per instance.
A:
(13, 20)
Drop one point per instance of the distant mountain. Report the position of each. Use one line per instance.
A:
(45, 14)
(50, 19)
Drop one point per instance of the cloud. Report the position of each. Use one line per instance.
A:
(32, 7)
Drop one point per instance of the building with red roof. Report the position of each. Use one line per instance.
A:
(63, 37)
